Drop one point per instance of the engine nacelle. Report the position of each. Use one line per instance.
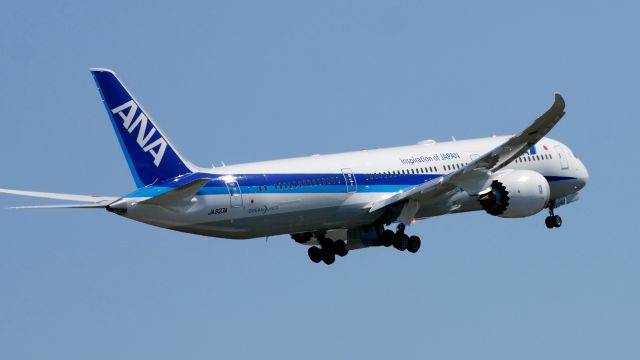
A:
(515, 194)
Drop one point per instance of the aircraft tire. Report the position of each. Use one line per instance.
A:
(328, 258)
(548, 221)
(340, 248)
(401, 241)
(414, 244)
(315, 254)
(386, 238)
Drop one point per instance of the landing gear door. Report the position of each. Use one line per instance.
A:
(564, 160)
(350, 180)
(235, 195)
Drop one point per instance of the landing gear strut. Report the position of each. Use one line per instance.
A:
(552, 221)
(328, 250)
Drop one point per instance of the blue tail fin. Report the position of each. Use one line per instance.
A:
(150, 154)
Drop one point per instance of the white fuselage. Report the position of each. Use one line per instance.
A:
(322, 192)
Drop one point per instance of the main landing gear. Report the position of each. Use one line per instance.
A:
(400, 240)
(328, 250)
(552, 221)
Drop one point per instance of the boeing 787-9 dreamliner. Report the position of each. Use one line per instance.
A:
(339, 202)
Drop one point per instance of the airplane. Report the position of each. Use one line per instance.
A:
(333, 203)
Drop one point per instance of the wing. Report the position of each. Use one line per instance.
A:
(90, 201)
(482, 167)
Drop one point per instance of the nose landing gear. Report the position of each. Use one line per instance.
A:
(552, 221)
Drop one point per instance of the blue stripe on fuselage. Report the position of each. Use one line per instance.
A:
(296, 183)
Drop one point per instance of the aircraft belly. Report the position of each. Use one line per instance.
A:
(561, 188)
(266, 214)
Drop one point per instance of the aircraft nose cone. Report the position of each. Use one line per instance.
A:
(582, 178)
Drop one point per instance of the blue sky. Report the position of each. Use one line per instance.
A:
(246, 81)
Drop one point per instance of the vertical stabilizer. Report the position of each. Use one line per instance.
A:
(149, 153)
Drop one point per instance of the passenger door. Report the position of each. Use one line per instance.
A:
(235, 194)
(350, 180)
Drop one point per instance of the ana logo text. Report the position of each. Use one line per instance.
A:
(155, 148)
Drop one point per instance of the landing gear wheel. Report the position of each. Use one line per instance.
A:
(553, 221)
(328, 258)
(401, 241)
(386, 238)
(414, 244)
(315, 254)
(548, 221)
(340, 248)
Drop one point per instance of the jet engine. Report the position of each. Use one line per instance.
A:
(514, 194)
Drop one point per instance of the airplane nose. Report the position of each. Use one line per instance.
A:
(582, 178)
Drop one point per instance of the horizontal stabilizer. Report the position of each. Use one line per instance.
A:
(179, 196)
(68, 206)
(57, 196)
